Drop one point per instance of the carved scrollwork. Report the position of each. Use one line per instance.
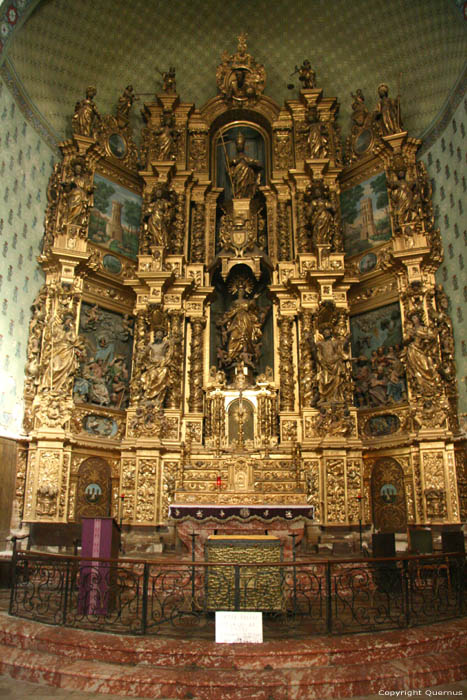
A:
(198, 232)
(198, 150)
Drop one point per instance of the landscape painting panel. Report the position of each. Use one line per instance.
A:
(115, 217)
(365, 215)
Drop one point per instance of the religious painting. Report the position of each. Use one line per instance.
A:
(379, 374)
(103, 426)
(115, 217)
(382, 424)
(365, 215)
(103, 376)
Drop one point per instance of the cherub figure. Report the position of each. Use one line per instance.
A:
(306, 75)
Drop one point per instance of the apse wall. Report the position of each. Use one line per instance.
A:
(25, 165)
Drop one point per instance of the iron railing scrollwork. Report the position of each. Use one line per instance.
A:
(306, 597)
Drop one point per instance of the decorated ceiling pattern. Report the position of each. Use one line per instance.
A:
(62, 47)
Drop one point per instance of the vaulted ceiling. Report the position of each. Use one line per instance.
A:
(65, 46)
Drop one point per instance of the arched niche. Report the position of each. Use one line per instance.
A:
(388, 496)
(241, 411)
(224, 304)
(93, 493)
(224, 151)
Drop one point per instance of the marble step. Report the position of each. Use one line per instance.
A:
(288, 653)
(215, 683)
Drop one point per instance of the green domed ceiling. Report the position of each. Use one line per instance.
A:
(63, 46)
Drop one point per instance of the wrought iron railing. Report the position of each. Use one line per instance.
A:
(298, 598)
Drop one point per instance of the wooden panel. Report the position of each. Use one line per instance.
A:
(7, 480)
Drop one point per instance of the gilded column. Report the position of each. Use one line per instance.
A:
(174, 393)
(303, 232)
(283, 231)
(198, 232)
(287, 384)
(306, 361)
(195, 401)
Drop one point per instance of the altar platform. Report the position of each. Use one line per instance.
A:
(195, 523)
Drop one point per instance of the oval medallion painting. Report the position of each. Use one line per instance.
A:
(388, 493)
(93, 493)
(368, 263)
(362, 142)
(117, 145)
(112, 264)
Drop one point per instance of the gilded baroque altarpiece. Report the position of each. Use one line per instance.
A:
(241, 314)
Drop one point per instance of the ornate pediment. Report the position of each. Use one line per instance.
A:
(240, 79)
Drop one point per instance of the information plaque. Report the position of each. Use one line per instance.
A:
(235, 627)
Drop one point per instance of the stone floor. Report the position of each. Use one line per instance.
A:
(20, 690)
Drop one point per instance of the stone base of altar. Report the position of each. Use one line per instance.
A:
(205, 521)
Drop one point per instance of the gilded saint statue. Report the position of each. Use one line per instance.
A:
(321, 213)
(318, 141)
(241, 327)
(66, 350)
(125, 102)
(330, 354)
(155, 376)
(245, 171)
(166, 138)
(158, 216)
(86, 114)
(387, 113)
(77, 200)
(359, 109)
(421, 346)
(403, 193)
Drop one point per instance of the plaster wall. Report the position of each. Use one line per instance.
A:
(25, 165)
(447, 165)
